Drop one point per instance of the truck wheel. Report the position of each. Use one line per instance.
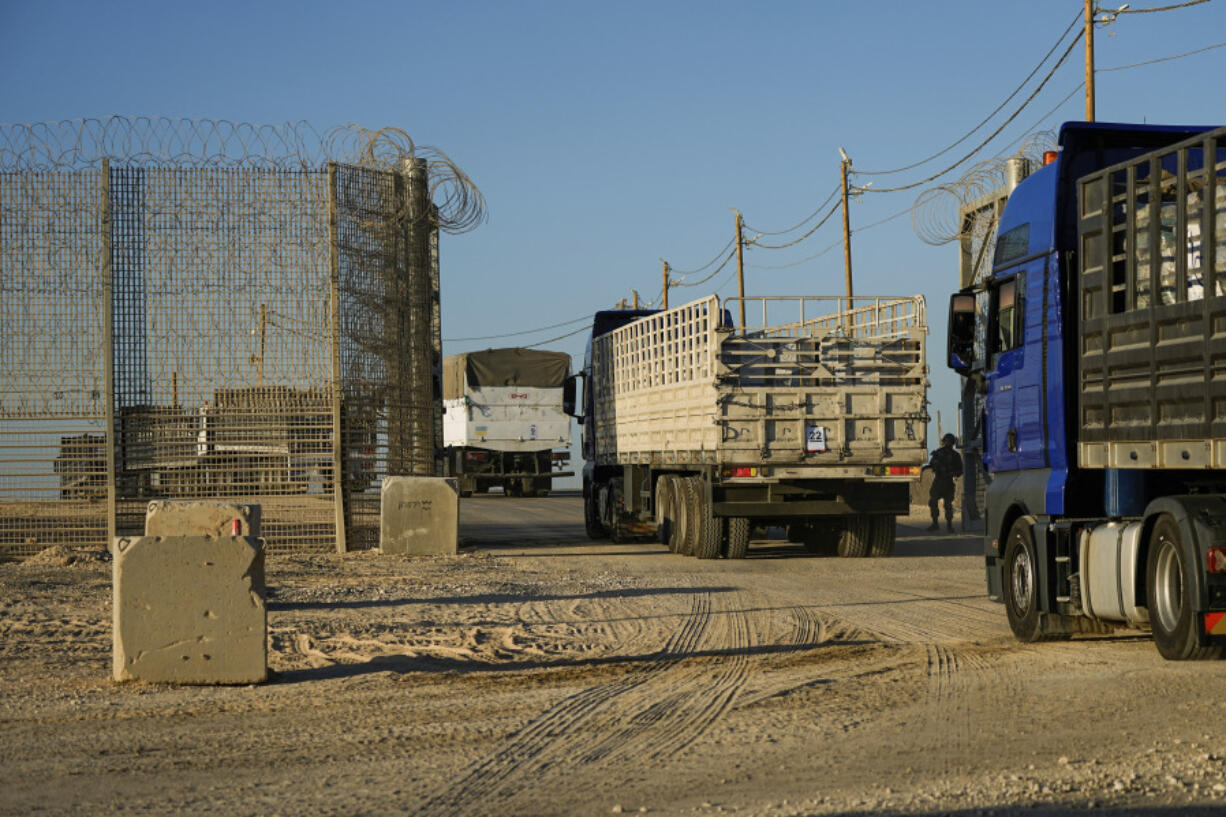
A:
(854, 541)
(822, 537)
(1022, 582)
(664, 510)
(591, 516)
(736, 537)
(1172, 620)
(710, 527)
(881, 536)
(689, 518)
(676, 510)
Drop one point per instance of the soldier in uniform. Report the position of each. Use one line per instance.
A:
(946, 465)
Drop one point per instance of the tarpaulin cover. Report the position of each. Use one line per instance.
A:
(504, 367)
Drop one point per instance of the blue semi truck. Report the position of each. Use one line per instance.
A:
(1095, 349)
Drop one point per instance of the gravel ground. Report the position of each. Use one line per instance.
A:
(537, 673)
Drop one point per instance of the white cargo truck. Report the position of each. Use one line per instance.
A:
(503, 424)
(811, 417)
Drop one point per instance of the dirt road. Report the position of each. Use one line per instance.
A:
(538, 673)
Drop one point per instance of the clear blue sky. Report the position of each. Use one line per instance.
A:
(606, 136)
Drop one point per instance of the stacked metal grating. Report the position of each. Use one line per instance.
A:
(196, 309)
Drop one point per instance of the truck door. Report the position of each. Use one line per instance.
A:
(1005, 360)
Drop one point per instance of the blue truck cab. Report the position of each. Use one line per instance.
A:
(1076, 266)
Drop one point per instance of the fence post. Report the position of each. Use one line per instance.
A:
(334, 280)
(108, 345)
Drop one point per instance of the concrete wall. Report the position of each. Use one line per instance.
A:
(186, 610)
(420, 515)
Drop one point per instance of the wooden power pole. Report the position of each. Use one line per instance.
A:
(1089, 37)
(665, 284)
(843, 168)
(740, 263)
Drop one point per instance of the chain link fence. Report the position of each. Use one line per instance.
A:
(203, 310)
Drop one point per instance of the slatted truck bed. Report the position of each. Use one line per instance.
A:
(812, 417)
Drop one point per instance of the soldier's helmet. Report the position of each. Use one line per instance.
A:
(949, 439)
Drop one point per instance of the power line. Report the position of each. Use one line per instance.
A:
(704, 266)
(988, 118)
(1168, 59)
(815, 228)
(1158, 8)
(803, 221)
(559, 337)
(1072, 44)
(709, 277)
(524, 332)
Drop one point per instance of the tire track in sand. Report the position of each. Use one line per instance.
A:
(653, 713)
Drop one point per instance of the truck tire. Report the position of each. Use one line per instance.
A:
(736, 539)
(854, 541)
(689, 516)
(664, 510)
(676, 510)
(1173, 623)
(822, 537)
(591, 515)
(881, 536)
(710, 526)
(1021, 580)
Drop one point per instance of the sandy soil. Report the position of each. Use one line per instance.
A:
(537, 673)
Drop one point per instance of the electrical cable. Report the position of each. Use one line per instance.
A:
(803, 221)
(1072, 44)
(559, 337)
(524, 332)
(986, 119)
(815, 228)
(1158, 8)
(1164, 59)
(671, 268)
(709, 277)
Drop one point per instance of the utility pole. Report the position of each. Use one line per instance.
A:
(665, 283)
(740, 263)
(843, 168)
(636, 298)
(1089, 38)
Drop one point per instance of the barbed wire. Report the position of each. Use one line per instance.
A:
(163, 142)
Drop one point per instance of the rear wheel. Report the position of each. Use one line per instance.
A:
(710, 527)
(1172, 621)
(689, 517)
(591, 515)
(854, 541)
(881, 536)
(664, 510)
(736, 537)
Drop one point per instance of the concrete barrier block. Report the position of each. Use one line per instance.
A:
(200, 518)
(420, 515)
(187, 610)
(206, 518)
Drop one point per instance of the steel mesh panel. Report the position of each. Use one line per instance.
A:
(197, 309)
(387, 349)
(53, 474)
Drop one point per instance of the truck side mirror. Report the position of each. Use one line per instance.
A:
(568, 397)
(961, 332)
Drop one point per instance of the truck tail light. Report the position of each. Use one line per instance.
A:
(904, 470)
(1217, 559)
(740, 472)
(474, 456)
